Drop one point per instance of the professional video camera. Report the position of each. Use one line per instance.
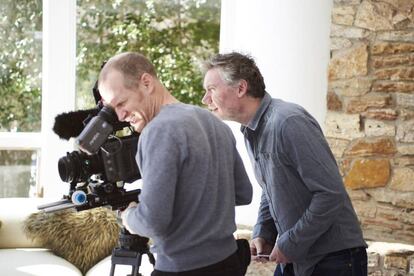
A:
(98, 171)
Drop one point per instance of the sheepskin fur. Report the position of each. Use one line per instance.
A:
(82, 238)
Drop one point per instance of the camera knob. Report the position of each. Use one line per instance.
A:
(79, 198)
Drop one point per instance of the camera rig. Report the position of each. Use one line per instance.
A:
(98, 172)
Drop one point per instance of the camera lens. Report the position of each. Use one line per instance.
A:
(69, 167)
(78, 166)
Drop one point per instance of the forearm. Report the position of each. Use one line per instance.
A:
(243, 187)
(265, 226)
(137, 221)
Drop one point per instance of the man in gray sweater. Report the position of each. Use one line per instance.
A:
(193, 176)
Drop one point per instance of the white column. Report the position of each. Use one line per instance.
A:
(289, 40)
(58, 87)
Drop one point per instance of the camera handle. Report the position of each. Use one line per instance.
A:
(130, 252)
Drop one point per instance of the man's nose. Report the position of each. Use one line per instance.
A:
(121, 115)
(206, 98)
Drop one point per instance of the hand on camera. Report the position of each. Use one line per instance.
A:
(123, 214)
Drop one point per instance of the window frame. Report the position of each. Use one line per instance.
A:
(58, 95)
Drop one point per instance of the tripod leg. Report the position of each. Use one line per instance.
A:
(112, 270)
(135, 271)
(151, 258)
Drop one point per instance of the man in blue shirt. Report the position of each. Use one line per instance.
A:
(306, 222)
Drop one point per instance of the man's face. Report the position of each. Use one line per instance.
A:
(130, 104)
(221, 98)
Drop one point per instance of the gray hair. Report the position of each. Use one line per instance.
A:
(234, 67)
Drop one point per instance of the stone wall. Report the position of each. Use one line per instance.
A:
(390, 259)
(370, 118)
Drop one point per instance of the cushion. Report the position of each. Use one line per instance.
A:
(82, 238)
(34, 262)
(13, 211)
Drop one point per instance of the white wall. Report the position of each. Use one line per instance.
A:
(289, 40)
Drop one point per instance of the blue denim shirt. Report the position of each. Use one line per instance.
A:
(304, 204)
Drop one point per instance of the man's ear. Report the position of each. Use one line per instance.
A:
(147, 81)
(242, 88)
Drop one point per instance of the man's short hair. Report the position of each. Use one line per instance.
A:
(131, 65)
(234, 67)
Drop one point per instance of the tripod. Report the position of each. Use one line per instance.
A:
(130, 251)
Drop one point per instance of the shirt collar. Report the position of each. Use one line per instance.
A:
(254, 122)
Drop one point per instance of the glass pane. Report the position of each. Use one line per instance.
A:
(175, 35)
(18, 173)
(20, 65)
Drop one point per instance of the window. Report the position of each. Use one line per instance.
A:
(18, 171)
(38, 81)
(51, 63)
(20, 98)
(175, 35)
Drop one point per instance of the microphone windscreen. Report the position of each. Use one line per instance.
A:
(70, 124)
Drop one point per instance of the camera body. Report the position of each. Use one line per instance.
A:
(113, 162)
(98, 171)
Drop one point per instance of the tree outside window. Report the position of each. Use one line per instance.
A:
(175, 34)
(20, 91)
(20, 65)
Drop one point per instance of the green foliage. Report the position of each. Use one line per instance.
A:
(20, 65)
(174, 35)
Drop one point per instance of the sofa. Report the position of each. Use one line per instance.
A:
(24, 254)
(68, 243)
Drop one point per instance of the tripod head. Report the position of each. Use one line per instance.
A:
(130, 251)
(132, 241)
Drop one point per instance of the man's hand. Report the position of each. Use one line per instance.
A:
(278, 257)
(124, 213)
(258, 248)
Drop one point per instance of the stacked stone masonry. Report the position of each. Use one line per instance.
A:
(370, 119)
(390, 259)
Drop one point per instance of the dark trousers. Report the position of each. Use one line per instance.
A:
(234, 265)
(347, 262)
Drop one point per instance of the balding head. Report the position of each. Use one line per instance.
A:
(131, 65)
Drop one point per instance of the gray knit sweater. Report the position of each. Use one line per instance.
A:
(192, 178)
